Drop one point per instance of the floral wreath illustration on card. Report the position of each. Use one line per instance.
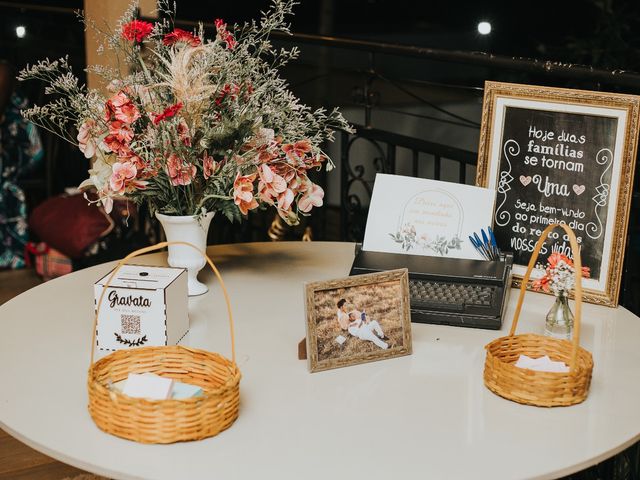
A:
(410, 239)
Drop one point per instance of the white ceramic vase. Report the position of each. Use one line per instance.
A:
(187, 228)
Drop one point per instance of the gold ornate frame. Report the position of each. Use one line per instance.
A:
(401, 276)
(629, 103)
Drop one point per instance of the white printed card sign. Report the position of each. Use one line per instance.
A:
(426, 217)
(143, 306)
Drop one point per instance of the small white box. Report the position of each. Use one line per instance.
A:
(143, 306)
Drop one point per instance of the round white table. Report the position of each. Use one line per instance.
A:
(426, 415)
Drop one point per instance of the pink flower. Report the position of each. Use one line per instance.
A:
(183, 133)
(86, 139)
(243, 193)
(179, 35)
(122, 174)
(121, 106)
(209, 165)
(297, 151)
(121, 131)
(136, 30)
(179, 171)
(107, 203)
(119, 99)
(265, 193)
(285, 199)
(127, 113)
(270, 182)
(311, 198)
(125, 154)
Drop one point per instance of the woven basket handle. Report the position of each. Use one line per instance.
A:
(577, 264)
(152, 249)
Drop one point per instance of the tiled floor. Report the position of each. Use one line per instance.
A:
(18, 461)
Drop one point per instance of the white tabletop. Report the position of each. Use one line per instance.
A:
(427, 414)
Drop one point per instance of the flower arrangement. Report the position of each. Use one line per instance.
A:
(558, 275)
(194, 125)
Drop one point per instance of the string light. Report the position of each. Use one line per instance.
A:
(21, 31)
(484, 28)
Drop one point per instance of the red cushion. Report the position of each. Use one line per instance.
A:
(69, 224)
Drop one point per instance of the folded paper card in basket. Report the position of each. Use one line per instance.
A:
(541, 388)
(165, 421)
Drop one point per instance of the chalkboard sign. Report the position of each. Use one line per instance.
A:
(561, 156)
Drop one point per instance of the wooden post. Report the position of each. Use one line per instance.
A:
(106, 15)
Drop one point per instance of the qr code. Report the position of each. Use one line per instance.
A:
(130, 324)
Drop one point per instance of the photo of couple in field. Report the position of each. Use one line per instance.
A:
(361, 322)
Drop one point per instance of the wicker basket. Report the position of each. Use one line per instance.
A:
(165, 421)
(543, 389)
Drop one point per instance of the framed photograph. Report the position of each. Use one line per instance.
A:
(358, 319)
(561, 156)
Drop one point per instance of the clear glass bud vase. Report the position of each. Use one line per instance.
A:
(559, 322)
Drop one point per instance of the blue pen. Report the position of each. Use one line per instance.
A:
(477, 243)
(494, 242)
(493, 237)
(475, 235)
(485, 240)
(487, 244)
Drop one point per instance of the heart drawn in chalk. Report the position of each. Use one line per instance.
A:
(525, 180)
(579, 189)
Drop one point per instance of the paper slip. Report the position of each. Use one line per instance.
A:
(185, 390)
(148, 385)
(542, 364)
(426, 217)
(179, 390)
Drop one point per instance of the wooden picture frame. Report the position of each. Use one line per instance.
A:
(384, 332)
(563, 155)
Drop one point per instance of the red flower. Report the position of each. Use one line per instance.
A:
(224, 34)
(179, 35)
(136, 30)
(168, 113)
(228, 90)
